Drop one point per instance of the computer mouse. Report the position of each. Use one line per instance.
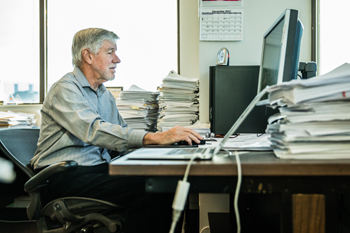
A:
(202, 142)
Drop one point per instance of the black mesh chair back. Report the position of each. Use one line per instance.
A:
(62, 215)
(19, 145)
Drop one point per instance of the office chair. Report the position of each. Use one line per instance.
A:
(68, 214)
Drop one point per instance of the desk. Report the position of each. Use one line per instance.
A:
(262, 172)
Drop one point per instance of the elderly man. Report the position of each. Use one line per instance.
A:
(80, 121)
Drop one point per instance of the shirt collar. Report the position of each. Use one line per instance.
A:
(83, 81)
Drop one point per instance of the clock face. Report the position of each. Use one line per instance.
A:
(222, 56)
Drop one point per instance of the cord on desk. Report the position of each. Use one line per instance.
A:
(180, 196)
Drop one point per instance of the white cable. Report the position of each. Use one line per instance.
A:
(180, 197)
(188, 168)
(238, 187)
(204, 228)
(182, 191)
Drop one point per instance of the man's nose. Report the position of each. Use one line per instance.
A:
(116, 59)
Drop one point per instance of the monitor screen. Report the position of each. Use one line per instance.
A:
(280, 52)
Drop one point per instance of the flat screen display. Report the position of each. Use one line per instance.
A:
(280, 53)
(271, 56)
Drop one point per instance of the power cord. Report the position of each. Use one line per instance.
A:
(183, 187)
(204, 228)
(180, 196)
(238, 187)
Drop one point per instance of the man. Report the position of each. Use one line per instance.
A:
(80, 121)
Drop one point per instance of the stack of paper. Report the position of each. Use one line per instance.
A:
(248, 142)
(178, 101)
(139, 108)
(16, 119)
(314, 118)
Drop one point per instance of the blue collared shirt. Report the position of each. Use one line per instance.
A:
(81, 124)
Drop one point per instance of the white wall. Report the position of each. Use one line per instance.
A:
(258, 16)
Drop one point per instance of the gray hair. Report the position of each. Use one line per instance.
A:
(91, 38)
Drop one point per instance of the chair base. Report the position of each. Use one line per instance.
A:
(45, 225)
(85, 215)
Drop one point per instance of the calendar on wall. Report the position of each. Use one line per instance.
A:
(221, 20)
(221, 25)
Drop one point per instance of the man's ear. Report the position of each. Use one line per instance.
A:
(87, 55)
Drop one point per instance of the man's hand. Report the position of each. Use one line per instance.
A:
(175, 134)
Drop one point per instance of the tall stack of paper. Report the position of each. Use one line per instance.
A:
(178, 101)
(16, 119)
(139, 108)
(314, 118)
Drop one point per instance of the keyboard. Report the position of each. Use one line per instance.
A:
(178, 151)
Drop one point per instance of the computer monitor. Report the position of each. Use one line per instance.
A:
(280, 52)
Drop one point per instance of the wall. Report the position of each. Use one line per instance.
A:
(257, 18)
(189, 38)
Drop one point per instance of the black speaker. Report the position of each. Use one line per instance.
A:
(231, 89)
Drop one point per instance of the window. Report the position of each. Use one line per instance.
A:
(148, 37)
(19, 44)
(147, 46)
(334, 36)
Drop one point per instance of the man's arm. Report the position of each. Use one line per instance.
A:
(171, 136)
(70, 109)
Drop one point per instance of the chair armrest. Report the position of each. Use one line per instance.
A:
(42, 177)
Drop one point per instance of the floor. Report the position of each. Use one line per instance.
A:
(13, 218)
(16, 227)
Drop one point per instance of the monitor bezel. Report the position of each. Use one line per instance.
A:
(291, 20)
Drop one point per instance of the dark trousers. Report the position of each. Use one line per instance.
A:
(146, 212)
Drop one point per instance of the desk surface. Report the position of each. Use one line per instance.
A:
(253, 164)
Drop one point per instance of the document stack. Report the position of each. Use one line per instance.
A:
(139, 108)
(178, 101)
(314, 118)
(16, 119)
